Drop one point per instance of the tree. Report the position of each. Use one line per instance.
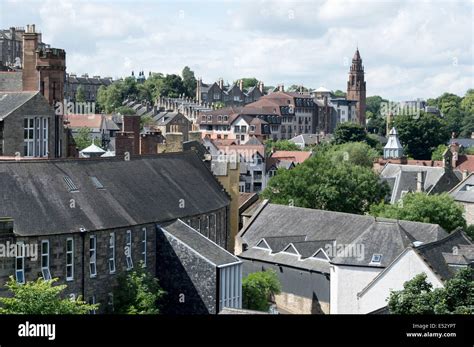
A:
(421, 136)
(349, 132)
(438, 152)
(323, 183)
(356, 153)
(137, 292)
(172, 86)
(41, 297)
(339, 94)
(297, 88)
(258, 288)
(83, 139)
(80, 95)
(281, 145)
(374, 105)
(248, 82)
(418, 296)
(467, 103)
(420, 207)
(126, 111)
(189, 81)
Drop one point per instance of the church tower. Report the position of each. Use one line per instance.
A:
(356, 87)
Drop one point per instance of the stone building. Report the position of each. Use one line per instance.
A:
(94, 219)
(235, 94)
(89, 85)
(11, 46)
(356, 87)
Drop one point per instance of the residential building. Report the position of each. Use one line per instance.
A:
(235, 94)
(94, 220)
(463, 193)
(323, 259)
(11, 46)
(438, 260)
(89, 85)
(306, 140)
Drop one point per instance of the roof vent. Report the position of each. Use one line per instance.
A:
(97, 183)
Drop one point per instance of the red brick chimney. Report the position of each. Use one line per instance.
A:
(30, 45)
(131, 126)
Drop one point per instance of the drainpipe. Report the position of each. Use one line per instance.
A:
(83, 237)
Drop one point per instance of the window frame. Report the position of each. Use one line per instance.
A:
(112, 253)
(70, 265)
(22, 257)
(93, 256)
(45, 270)
(128, 243)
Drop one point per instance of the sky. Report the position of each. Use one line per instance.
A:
(410, 49)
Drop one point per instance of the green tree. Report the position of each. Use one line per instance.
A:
(322, 183)
(126, 111)
(40, 297)
(356, 153)
(258, 288)
(218, 105)
(189, 81)
(467, 103)
(172, 86)
(349, 132)
(297, 88)
(137, 292)
(421, 135)
(248, 82)
(83, 138)
(80, 95)
(420, 207)
(374, 104)
(438, 152)
(418, 296)
(339, 94)
(281, 145)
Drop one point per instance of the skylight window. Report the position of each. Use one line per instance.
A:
(70, 184)
(376, 259)
(97, 183)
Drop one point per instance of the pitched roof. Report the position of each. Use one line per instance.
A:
(91, 121)
(145, 189)
(378, 236)
(464, 191)
(295, 156)
(434, 253)
(246, 151)
(11, 81)
(190, 237)
(10, 101)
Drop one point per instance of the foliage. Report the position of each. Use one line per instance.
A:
(248, 82)
(281, 145)
(297, 88)
(126, 111)
(356, 153)
(80, 95)
(146, 121)
(321, 182)
(418, 296)
(218, 105)
(83, 138)
(349, 132)
(438, 152)
(189, 81)
(339, 94)
(137, 292)
(421, 136)
(420, 207)
(258, 289)
(41, 297)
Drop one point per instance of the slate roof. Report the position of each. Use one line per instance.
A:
(306, 139)
(434, 253)
(299, 225)
(11, 81)
(436, 179)
(10, 101)
(464, 191)
(464, 142)
(145, 189)
(193, 239)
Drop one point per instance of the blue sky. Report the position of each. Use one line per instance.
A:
(410, 49)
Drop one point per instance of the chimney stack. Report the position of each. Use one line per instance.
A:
(281, 88)
(30, 77)
(241, 85)
(261, 87)
(454, 148)
(221, 83)
(420, 181)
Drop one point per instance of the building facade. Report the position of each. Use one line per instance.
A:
(356, 87)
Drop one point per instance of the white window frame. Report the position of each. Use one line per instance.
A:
(71, 264)
(45, 255)
(128, 245)
(93, 256)
(112, 267)
(92, 300)
(21, 257)
(144, 245)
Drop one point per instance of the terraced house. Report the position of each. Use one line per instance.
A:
(93, 219)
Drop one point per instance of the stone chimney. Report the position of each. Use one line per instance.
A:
(198, 89)
(195, 136)
(454, 148)
(174, 142)
(420, 181)
(241, 85)
(131, 126)
(30, 74)
(261, 87)
(281, 88)
(221, 83)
